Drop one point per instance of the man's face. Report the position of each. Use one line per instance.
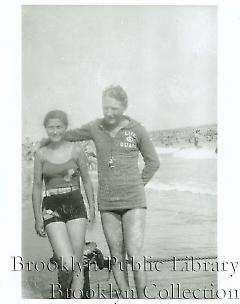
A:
(112, 111)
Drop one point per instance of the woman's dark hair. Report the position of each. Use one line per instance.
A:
(116, 92)
(56, 114)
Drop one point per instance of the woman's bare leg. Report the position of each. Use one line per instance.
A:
(77, 231)
(62, 247)
(112, 227)
(60, 242)
(68, 241)
(133, 231)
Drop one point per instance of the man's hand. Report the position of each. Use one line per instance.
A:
(43, 142)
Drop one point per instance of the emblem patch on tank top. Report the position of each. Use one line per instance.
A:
(130, 140)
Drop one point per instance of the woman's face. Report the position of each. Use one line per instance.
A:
(55, 129)
(112, 110)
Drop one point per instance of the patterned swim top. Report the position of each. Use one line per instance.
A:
(61, 174)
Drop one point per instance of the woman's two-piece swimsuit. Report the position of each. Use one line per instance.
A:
(65, 206)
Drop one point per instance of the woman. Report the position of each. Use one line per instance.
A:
(121, 196)
(62, 214)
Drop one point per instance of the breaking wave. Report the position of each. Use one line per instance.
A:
(188, 153)
(195, 189)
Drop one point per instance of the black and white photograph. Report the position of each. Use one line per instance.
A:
(119, 154)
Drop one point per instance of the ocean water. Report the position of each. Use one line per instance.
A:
(181, 217)
(182, 200)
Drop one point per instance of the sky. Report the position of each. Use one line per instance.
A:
(165, 57)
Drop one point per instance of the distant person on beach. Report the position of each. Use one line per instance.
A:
(62, 214)
(209, 135)
(196, 137)
(121, 196)
(28, 148)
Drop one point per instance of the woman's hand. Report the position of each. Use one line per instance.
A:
(39, 228)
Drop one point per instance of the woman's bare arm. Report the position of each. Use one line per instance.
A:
(37, 194)
(86, 180)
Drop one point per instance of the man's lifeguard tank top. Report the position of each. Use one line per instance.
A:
(64, 174)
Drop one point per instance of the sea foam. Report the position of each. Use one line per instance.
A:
(194, 189)
(188, 153)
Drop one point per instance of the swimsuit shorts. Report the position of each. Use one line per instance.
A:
(63, 207)
(121, 212)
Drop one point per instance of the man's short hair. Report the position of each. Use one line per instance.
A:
(116, 92)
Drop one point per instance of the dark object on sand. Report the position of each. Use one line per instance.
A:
(92, 255)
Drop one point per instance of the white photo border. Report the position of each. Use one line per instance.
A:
(229, 148)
